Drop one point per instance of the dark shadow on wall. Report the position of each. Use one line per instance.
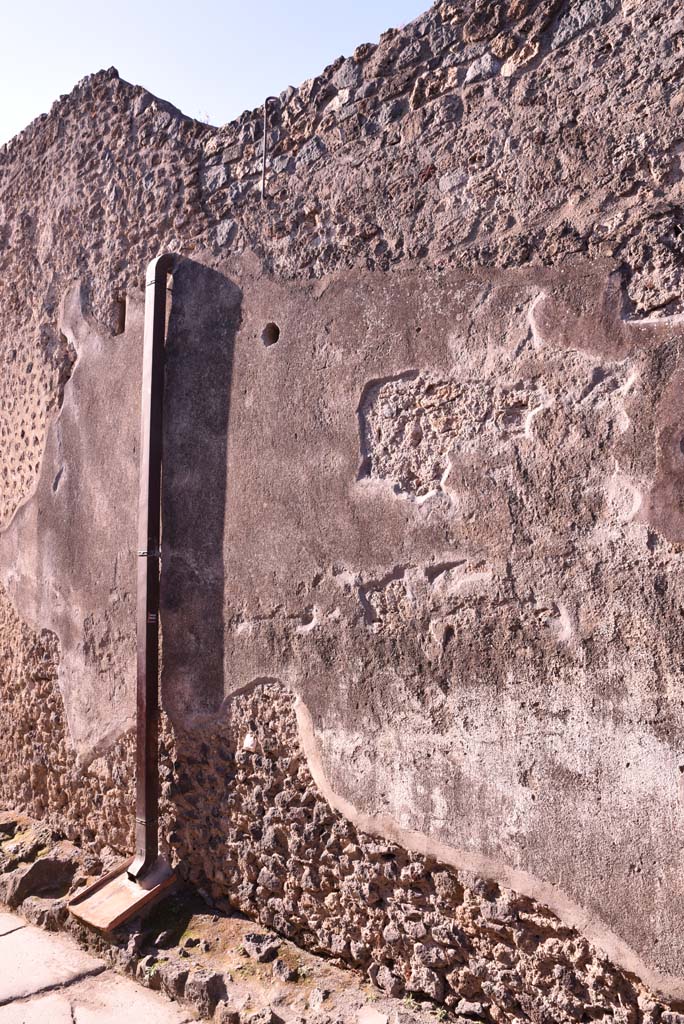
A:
(204, 320)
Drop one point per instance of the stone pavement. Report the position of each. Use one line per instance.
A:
(47, 979)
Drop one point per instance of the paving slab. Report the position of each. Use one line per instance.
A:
(105, 999)
(10, 923)
(53, 1008)
(110, 999)
(32, 961)
(47, 979)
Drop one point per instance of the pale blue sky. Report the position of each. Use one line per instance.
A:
(212, 59)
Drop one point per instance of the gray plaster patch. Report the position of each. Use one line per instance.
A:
(484, 67)
(581, 17)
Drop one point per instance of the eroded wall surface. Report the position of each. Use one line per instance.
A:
(442, 512)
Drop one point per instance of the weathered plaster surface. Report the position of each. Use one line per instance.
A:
(69, 551)
(444, 509)
(482, 658)
(370, 894)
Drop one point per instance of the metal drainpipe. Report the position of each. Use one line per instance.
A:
(149, 554)
(264, 153)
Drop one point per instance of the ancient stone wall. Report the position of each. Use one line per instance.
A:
(477, 596)
(266, 838)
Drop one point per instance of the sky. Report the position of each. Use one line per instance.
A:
(212, 59)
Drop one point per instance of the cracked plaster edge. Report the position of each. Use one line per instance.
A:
(386, 827)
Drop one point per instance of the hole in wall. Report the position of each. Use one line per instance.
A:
(270, 334)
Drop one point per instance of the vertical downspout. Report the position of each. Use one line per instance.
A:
(264, 147)
(149, 553)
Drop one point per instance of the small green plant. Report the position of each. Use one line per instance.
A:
(409, 1002)
(441, 1013)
